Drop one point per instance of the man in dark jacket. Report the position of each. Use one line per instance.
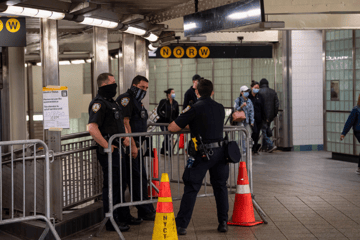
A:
(271, 106)
(190, 96)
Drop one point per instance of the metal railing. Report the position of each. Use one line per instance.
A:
(20, 181)
(174, 165)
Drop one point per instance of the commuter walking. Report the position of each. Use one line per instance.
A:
(259, 114)
(190, 95)
(353, 122)
(206, 121)
(105, 120)
(168, 110)
(135, 120)
(271, 106)
(243, 103)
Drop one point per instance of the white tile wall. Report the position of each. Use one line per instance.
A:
(307, 87)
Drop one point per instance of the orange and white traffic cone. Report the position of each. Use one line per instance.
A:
(181, 141)
(243, 213)
(165, 226)
(155, 175)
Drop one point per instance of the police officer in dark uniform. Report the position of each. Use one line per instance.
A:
(190, 95)
(135, 120)
(205, 119)
(105, 120)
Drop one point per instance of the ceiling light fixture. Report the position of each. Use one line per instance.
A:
(32, 12)
(151, 47)
(135, 31)
(152, 37)
(88, 60)
(99, 22)
(190, 26)
(64, 63)
(81, 61)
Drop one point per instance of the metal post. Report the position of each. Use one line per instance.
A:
(128, 48)
(30, 101)
(142, 64)
(121, 88)
(101, 54)
(324, 89)
(354, 82)
(50, 76)
(5, 97)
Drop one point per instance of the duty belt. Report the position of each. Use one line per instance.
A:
(214, 144)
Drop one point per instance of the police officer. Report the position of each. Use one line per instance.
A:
(135, 120)
(205, 119)
(105, 120)
(190, 95)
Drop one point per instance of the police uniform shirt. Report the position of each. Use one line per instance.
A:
(107, 115)
(189, 97)
(134, 110)
(205, 118)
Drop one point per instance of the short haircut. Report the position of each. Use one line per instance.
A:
(205, 87)
(138, 79)
(253, 83)
(168, 91)
(103, 78)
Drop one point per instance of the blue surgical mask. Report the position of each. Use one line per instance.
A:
(255, 90)
(246, 94)
(173, 96)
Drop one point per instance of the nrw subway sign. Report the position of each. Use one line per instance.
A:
(188, 51)
(12, 32)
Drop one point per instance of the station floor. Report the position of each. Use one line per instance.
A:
(305, 195)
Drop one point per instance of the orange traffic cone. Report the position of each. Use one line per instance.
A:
(181, 141)
(165, 226)
(243, 213)
(155, 175)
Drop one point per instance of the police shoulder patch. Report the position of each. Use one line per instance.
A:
(186, 109)
(125, 101)
(96, 107)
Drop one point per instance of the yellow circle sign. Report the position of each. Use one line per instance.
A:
(165, 52)
(191, 52)
(204, 52)
(1, 26)
(12, 25)
(179, 52)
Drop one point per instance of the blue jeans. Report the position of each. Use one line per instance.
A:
(267, 143)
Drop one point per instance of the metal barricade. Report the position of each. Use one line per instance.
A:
(19, 173)
(173, 164)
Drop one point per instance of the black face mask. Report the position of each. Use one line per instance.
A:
(108, 91)
(139, 94)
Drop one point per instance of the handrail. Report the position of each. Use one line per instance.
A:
(75, 135)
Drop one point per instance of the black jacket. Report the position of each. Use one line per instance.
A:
(259, 110)
(167, 112)
(271, 101)
(190, 97)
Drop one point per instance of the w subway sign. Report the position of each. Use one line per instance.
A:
(189, 51)
(12, 32)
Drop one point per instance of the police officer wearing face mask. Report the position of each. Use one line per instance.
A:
(168, 111)
(206, 120)
(135, 120)
(105, 120)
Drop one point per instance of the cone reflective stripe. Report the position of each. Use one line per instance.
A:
(243, 213)
(155, 175)
(164, 226)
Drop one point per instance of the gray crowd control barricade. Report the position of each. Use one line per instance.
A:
(172, 162)
(20, 179)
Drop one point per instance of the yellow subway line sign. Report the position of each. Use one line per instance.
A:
(12, 32)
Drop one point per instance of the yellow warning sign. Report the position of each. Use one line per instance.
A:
(13, 25)
(179, 52)
(191, 52)
(165, 52)
(204, 52)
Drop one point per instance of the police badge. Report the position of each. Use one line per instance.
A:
(125, 101)
(96, 107)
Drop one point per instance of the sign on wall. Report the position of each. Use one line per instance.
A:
(56, 107)
(12, 32)
(189, 51)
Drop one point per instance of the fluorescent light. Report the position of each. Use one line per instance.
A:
(152, 37)
(99, 22)
(44, 14)
(151, 47)
(14, 10)
(88, 60)
(190, 26)
(57, 16)
(135, 31)
(64, 63)
(81, 61)
(119, 55)
(30, 12)
(38, 64)
(38, 118)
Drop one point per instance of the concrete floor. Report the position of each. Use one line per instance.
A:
(305, 195)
